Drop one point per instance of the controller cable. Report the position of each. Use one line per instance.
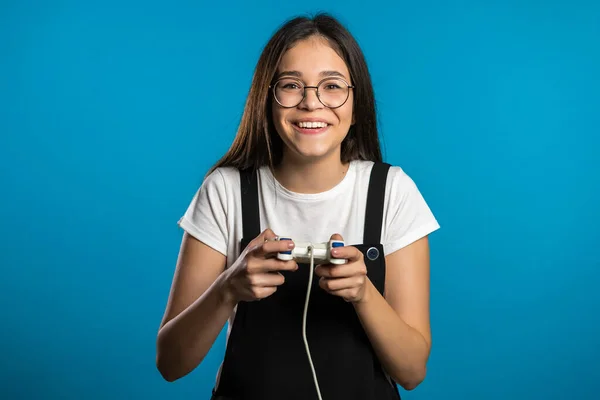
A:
(310, 279)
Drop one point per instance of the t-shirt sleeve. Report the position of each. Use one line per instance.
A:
(206, 217)
(408, 216)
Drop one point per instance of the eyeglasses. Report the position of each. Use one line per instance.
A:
(331, 92)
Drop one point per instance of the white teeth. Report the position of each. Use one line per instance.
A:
(312, 124)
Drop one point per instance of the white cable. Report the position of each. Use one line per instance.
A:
(310, 278)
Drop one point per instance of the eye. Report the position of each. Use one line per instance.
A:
(290, 86)
(333, 85)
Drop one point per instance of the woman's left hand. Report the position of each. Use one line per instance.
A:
(348, 280)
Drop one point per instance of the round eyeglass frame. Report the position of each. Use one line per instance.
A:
(304, 87)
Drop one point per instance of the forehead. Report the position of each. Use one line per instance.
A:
(311, 57)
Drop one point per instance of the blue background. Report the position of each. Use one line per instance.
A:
(111, 113)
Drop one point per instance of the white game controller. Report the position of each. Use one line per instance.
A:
(321, 252)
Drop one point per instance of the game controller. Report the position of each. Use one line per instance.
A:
(321, 252)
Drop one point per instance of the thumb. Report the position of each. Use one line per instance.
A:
(336, 236)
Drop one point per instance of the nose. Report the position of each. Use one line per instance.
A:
(311, 99)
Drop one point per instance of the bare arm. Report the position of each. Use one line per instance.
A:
(196, 312)
(203, 296)
(398, 325)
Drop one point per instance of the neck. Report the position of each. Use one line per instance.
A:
(310, 176)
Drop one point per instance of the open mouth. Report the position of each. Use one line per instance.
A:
(311, 127)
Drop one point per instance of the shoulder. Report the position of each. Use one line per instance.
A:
(222, 182)
(407, 215)
(218, 187)
(222, 176)
(207, 216)
(398, 181)
(402, 190)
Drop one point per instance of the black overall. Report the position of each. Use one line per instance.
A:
(265, 357)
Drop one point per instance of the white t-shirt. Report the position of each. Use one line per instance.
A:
(215, 214)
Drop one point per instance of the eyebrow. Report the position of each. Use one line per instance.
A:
(324, 74)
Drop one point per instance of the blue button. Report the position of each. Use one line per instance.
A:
(285, 252)
(337, 244)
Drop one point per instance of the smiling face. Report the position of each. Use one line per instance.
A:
(310, 130)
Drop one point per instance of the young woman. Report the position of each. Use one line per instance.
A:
(305, 165)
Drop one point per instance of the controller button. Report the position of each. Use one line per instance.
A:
(337, 244)
(289, 252)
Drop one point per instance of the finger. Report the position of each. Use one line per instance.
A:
(353, 254)
(340, 271)
(336, 236)
(261, 265)
(268, 234)
(256, 243)
(346, 294)
(350, 253)
(266, 279)
(265, 235)
(260, 292)
(335, 285)
(272, 247)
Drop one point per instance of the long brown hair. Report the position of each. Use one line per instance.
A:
(257, 143)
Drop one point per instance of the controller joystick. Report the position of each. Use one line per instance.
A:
(321, 252)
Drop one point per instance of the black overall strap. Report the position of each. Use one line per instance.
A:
(375, 202)
(250, 211)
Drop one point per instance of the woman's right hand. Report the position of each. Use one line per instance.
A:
(255, 274)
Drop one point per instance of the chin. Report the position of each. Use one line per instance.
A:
(313, 146)
(313, 154)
